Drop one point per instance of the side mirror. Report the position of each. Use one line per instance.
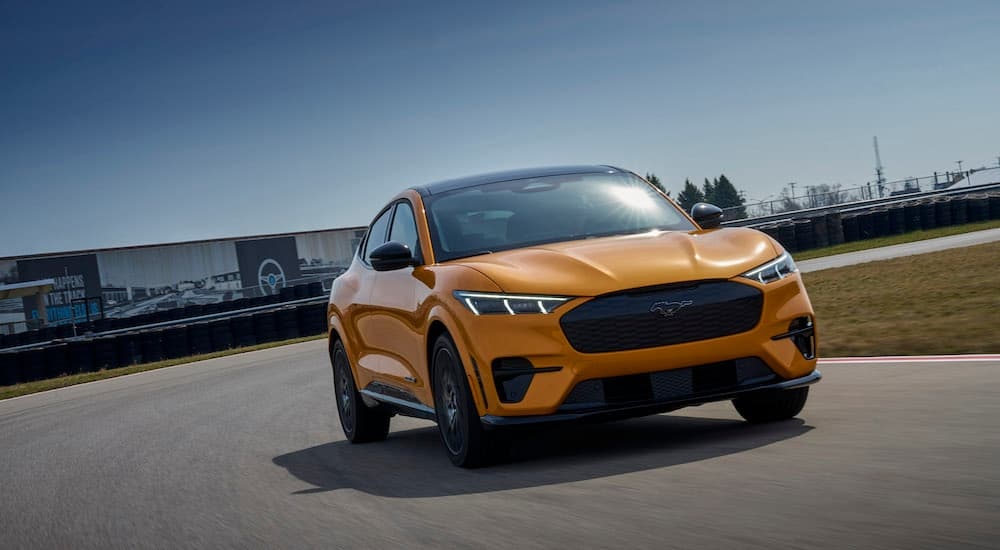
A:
(390, 256)
(708, 216)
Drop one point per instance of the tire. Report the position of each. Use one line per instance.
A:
(361, 424)
(465, 440)
(771, 406)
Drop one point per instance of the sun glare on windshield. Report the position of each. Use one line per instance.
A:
(632, 197)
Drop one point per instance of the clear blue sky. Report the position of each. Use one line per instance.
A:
(143, 122)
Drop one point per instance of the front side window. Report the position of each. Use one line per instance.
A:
(404, 228)
(376, 234)
(525, 212)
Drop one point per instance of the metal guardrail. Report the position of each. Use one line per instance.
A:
(815, 196)
(859, 205)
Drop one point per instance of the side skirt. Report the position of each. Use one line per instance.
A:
(398, 400)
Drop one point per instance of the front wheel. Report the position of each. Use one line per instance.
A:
(361, 423)
(771, 406)
(467, 443)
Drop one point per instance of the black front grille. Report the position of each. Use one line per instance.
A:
(669, 384)
(661, 317)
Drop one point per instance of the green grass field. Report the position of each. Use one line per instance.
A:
(939, 303)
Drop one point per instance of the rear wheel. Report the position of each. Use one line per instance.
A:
(771, 406)
(361, 423)
(467, 443)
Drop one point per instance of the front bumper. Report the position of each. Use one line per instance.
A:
(539, 340)
(647, 408)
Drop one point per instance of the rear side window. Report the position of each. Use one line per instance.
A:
(376, 234)
(404, 228)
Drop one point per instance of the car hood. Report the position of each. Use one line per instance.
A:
(597, 266)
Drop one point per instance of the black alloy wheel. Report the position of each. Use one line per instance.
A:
(360, 422)
(467, 443)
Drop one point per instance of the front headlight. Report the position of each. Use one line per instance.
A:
(775, 270)
(482, 303)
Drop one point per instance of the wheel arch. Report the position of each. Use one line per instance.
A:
(441, 325)
(335, 333)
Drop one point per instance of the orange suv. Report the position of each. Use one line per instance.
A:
(561, 294)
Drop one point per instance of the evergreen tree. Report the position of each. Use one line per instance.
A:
(725, 196)
(709, 191)
(690, 196)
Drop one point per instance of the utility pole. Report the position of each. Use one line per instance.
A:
(879, 169)
(792, 185)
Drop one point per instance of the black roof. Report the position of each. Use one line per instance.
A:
(509, 175)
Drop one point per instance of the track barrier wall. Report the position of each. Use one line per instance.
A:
(836, 227)
(90, 354)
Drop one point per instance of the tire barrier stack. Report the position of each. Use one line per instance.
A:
(312, 319)
(175, 342)
(832, 228)
(897, 219)
(959, 214)
(106, 353)
(45, 334)
(786, 236)
(835, 228)
(928, 219)
(287, 322)
(200, 338)
(60, 358)
(850, 226)
(221, 333)
(152, 345)
(81, 355)
(242, 327)
(978, 208)
(129, 348)
(264, 327)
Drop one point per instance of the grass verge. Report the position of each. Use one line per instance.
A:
(938, 303)
(7, 392)
(896, 239)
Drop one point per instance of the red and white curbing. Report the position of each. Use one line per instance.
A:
(912, 359)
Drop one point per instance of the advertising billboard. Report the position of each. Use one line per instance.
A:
(76, 278)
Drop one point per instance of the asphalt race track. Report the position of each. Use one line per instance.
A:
(244, 451)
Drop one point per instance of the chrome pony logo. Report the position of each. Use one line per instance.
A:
(270, 276)
(668, 309)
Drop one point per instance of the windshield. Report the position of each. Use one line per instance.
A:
(514, 214)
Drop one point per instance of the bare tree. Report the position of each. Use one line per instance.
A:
(824, 195)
